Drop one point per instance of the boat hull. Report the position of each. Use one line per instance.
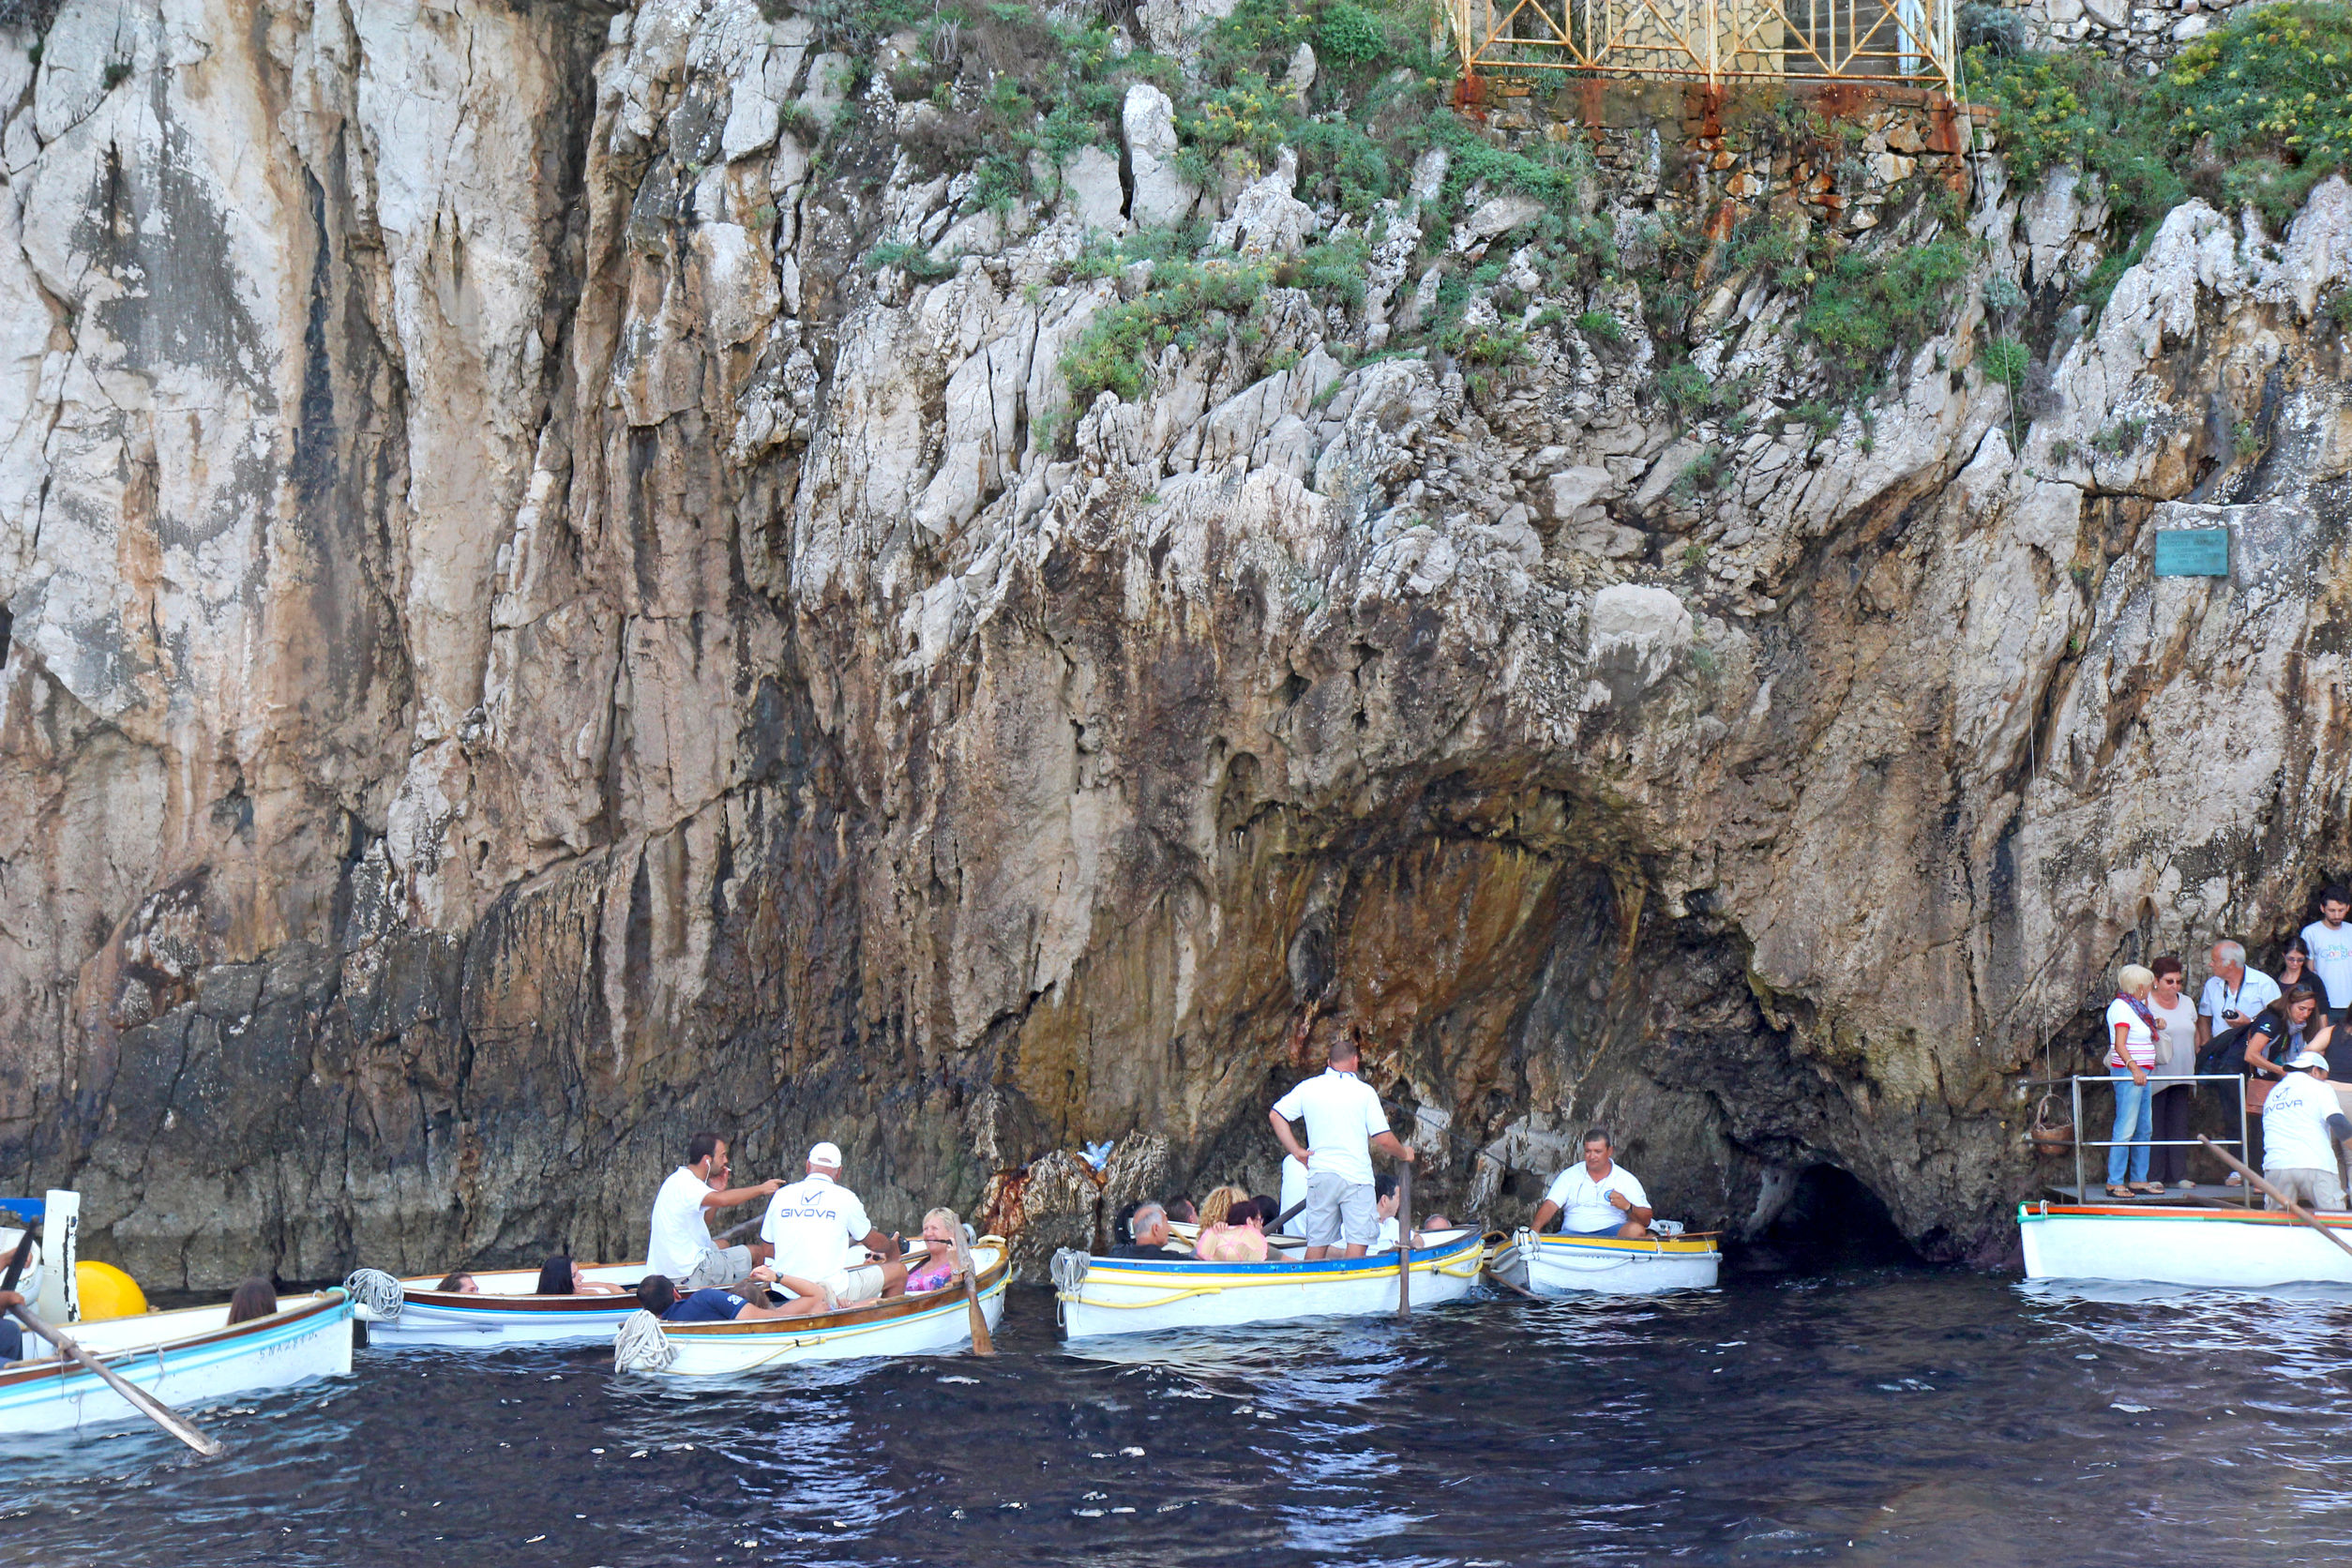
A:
(1605, 1265)
(2222, 1248)
(931, 1324)
(1119, 1295)
(503, 1313)
(186, 1359)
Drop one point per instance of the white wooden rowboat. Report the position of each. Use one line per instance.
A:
(1608, 1265)
(927, 1324)
(1136, 1295)
(2247, 1249)
(187, 1358)
(504, 1312)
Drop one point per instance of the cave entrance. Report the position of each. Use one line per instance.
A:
(1832, 1221)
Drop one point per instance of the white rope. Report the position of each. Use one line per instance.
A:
(378, 1291)
(1069, 1271)
(640, 1345)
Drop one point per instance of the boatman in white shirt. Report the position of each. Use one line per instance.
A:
(1599, 1197)
(2302, 1130)
(1343, 1124)
(681, 1247)
(816, 1226)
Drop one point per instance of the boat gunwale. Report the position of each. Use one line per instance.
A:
(2332, 1219)
(1646, 1245)
(992, 1280)
(327, 1300)
(1282, 1271)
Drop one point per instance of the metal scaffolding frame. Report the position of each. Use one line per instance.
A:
(1865, 42)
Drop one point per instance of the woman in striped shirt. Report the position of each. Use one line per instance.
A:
(2131, 1026)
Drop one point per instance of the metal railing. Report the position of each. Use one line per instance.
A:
(1871, 42)
(2155, 1083)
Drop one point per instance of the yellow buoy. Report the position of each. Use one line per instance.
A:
(107, 1291)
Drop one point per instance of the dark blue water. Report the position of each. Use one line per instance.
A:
(1896, 1415)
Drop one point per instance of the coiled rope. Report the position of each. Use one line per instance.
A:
(378, 1291)
(1068, 1270)
(640, 1345)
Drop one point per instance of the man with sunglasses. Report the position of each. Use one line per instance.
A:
(681, 1247)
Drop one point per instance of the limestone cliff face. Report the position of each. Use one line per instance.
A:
(521, 647)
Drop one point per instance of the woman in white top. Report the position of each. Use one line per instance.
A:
(2131, 1056)
(2170, 1086)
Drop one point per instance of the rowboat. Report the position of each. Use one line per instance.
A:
(927, 1324)
(1140, 1295)
(189, 1357)
(2247, 1249)
(1607, 1265)
(503, 1312)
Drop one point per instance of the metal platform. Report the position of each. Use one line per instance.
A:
(2205, 1195)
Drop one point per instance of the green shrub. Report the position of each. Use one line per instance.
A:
(1866, 308)
(2005, 360)
(1350, 34)
(914, 260)
(1601, 326)
(2257, 111)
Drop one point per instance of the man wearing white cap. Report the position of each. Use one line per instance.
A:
(2301, 1126)
(816, 1225)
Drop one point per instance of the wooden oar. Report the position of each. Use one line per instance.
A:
(2295, 1210)
(981, 1344)
(1404, 1239)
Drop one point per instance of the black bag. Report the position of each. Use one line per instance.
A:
(2225, 1052)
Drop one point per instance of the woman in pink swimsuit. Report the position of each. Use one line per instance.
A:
(936, 1273)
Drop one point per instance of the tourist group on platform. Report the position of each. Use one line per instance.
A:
(2281, 1033)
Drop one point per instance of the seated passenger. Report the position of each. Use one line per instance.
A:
(1220, 1201)
(940, 1229)
(1434, 1222)
(12, 1332)
(2301, 1125)
(715, 1303)
(1181, 1211)
(255, 1298)
(1384, 1198)
(1151, 1235)
(560, 1276)
(1242, 1239)
(1599, 1197)
(459, 1282)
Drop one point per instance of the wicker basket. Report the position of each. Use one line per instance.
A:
(2050, 1137)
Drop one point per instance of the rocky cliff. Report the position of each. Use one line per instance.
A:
(558, 594)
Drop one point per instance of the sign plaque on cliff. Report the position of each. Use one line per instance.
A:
(2192, 553)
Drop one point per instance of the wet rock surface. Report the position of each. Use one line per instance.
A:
(522, 647)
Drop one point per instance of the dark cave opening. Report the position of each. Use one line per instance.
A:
(1831, 1221)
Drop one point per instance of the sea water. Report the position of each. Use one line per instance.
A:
(1895, 1415)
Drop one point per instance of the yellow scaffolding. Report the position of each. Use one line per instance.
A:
(1866, 43)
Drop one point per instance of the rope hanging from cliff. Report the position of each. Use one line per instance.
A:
(378, 1291)
(640, 1345)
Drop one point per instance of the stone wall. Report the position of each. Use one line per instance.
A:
(1839, 152)
(2142, 36)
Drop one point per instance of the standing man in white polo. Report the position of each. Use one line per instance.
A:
(1343, 1124)
(814, 1226)
(681, 1247)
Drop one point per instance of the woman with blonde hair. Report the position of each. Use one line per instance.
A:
(1214, 1207)
(940, 1230)
(2131, 1027)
